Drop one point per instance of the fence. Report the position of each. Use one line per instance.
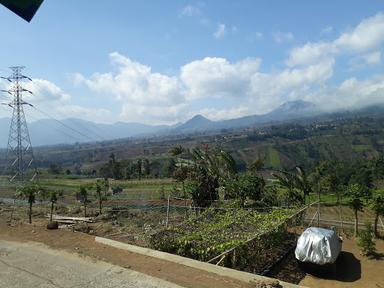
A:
(252, 255)
(340, 216)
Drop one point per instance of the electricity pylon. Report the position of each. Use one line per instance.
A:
(19, 150)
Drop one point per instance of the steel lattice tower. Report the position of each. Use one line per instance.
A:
(19, 150)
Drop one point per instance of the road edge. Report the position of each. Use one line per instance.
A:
(219, 270)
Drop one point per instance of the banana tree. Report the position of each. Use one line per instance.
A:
(302, 182)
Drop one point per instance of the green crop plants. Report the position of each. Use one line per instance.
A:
(217, 231)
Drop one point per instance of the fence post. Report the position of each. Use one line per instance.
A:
(166, 221)
(13, 209)
(318, 204)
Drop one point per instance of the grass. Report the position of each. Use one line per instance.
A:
(274, 158)
(361, 148)
(132, 189)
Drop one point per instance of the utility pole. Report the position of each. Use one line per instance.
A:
(19, 150)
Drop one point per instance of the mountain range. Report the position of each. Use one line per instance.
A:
(68, 131)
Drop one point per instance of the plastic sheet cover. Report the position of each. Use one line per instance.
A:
(319, 246)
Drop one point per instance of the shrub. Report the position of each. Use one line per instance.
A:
(365, 240)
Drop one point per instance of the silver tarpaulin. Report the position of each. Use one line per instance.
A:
(319, 246)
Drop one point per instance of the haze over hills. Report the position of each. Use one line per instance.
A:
(51, 132)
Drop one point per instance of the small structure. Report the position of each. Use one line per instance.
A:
(318, 246)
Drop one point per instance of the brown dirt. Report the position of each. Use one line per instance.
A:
(85, 245)
(351, 269)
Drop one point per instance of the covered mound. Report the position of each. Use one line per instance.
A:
(318, 246)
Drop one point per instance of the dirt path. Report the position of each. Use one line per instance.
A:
(36, 265)
(84, 245)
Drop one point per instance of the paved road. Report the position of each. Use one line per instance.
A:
(34, 265)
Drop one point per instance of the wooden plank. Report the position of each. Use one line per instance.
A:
(73, 219)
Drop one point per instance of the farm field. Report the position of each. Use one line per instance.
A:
(131, 189)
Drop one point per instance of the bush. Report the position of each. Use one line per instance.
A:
(365, 240)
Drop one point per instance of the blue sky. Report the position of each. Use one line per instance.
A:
(164, 61)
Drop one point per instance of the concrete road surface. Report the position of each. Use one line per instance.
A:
(36, 266)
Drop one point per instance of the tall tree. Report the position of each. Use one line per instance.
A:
(139, 167)
(209, 167)
(53, 197)
(355, 203)
(377, 205)
(30, 193)
(180, 173)
(82, 195)
(303, 182)
(287, 180)
(101, 188)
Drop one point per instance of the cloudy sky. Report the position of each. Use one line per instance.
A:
(161, 62)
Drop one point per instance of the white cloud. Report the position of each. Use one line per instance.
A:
(351, 93)
(190, 10)
(152, 97)
(152, 114)
(218, 78)
(369, 34)
(365, 37)
(44, 91)
(221, 114)
(372, 58)
(259, 35)
(240, 86)
(99, 115)
(136, 83)
(281, 37)
(220, 31)
(309, 53)
(269, 90)
(327, 30)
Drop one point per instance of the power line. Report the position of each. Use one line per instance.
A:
(55, 128)
(94, 134)
(63, 124)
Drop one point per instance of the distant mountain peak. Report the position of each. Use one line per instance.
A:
(197, 122)
(296, 105)
(199, 117)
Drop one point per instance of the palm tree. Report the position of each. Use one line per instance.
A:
(29, 192)
(82, 195)
(287, 181)
(209, 167)
(216, 162)
(177, 150)
(101, 184)
(377, 205)
(355, 203)
(53, 197)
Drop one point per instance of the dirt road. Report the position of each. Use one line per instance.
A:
(83, 245)
(36, 265)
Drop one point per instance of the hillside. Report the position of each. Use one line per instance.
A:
(282, 145)
(70, 131)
